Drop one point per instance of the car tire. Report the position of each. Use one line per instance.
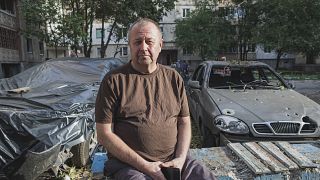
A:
(207, 138)
(83, 151)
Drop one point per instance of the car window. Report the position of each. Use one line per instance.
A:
(196, 73)
(220, 76)
(237, 77)
(272, 78)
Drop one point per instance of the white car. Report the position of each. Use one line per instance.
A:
(249, 101)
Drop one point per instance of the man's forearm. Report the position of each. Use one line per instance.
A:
(184, 137)
(119, 149)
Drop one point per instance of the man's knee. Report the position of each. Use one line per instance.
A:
(193, 169)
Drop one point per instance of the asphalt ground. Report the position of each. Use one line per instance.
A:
(309, 88)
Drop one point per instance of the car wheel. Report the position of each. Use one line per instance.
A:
(207, 138)
(83, 151)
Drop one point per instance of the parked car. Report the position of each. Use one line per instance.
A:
(249, 101)
(47, 115)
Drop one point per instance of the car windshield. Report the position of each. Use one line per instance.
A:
(254, 77)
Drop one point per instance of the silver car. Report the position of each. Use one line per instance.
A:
(249, 101)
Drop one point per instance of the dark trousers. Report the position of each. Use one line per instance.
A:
(191, 170)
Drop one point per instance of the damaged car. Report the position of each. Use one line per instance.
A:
(248, 101)
(47, 116)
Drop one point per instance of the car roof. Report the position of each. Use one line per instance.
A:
(235, 63)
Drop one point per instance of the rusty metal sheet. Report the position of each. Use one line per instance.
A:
(217, 159)
(311, 151)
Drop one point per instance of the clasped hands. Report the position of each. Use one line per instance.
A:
(153, 169)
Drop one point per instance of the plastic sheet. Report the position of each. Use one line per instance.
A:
(54, 107)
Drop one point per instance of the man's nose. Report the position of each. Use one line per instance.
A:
(144, 46)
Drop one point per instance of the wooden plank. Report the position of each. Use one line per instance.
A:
(267, 158)
(278, 154)
(300, 159)
(253, 163)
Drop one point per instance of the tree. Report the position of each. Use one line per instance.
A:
(206, 31)
(123, 12)
(43, 20)
(78, 23)
(245, 17)
(290, 26)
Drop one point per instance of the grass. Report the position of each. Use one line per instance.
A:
(66, 173)
(196, 137)
(299, 75)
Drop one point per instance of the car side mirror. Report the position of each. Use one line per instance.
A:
(194, 84)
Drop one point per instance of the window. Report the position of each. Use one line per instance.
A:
(41, 48)
(98, 33)
(29, 45)
(233, 49)
(198, 72)
(7, 5)
(187, 51)
(161, 29)
(123, 33)
(251, 48)
(124, 51)
(185, 12)
(267, 49)
(200, 77)
(8, 38)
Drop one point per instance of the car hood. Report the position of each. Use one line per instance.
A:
(254, 106)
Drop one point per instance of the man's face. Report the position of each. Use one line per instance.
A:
(145, 44)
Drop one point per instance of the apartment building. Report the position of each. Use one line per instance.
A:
(17, 52)
(170, 52)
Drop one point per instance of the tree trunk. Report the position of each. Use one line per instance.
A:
(279, 54)
(89, 25)
(56, 49)
(105, 46)
(102, 49)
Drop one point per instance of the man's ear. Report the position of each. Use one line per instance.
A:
(161, 43)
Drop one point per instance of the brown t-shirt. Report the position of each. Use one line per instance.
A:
(144, 109)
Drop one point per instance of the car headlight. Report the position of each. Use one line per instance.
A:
(231, 124)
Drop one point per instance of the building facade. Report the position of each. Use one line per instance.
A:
(171, 53)
(17, 52)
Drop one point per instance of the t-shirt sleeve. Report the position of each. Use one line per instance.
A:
(105, 101)
(184, 111)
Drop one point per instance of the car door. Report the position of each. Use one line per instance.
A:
(194, 94)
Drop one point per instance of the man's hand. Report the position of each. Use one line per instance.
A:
(153, 169)
(176, 163)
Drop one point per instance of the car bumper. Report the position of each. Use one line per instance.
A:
(31, 164)
(228, 138)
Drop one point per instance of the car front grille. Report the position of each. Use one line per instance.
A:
(283, 128)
